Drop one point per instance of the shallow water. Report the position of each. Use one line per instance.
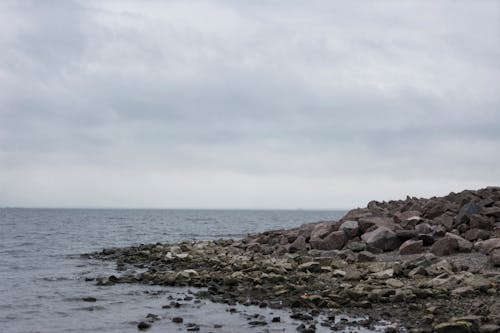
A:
(43, 277)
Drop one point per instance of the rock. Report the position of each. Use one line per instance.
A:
(465, 212)
(423, 228)
(89, 299)
(333, 241)
(177, 320)
(445, 246)
(404, 235)
(492, 211)
(411, 247)
(382, 238)
(368, 222)
(365, 256)
(394, 283)
(427, 239)
(385, 274)
(356, 246)
(494, 258)
(350, 228)
(446, 220)
(480, 222)
(456, 327)
(475, 234)
(311, 266)
(276, 320)
(489, 328)
(143, 326)
(489, 245)
(463, 244)
(299, 244)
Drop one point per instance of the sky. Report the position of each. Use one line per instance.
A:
(246, 104)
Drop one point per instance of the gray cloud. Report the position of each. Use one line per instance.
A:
(246, 104)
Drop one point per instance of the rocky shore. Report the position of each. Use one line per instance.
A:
(426, 265)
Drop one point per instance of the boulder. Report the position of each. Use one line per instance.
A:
(402, 216)
(423, 228)
(382, 238)
(445, 246)
(463, 244)
(446, 220)
(495, 257)
(350, 228)
(365, 256)
(480, 222)
(475, 234)
(404, 235)
(492, 211)
(411, 247)
(333, 241)
(298, 245)
(488, 245)
(366, 223)
(356, 245)
(465, 213)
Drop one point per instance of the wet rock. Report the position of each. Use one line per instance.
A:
(382, 238)
(411, 247)
(445, 246)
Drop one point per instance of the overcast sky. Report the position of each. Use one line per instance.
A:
(246, 104)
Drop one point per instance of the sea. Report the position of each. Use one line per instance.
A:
(44, 281)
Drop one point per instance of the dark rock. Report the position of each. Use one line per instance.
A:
(445, 246)
(89, 299)
(276, 320)
(382, 238)
(411, 247)
(404, 235)
(143, 326)
(178, 320)
(426, 239)
(458, 327)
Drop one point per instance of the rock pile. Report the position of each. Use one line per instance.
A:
(458, 222)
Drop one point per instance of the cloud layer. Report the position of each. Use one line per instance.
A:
(220, 104)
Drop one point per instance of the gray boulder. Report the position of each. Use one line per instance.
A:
(382, 238)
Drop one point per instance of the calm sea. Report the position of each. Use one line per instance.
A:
(43, 279)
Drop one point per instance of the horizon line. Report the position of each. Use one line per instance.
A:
(173, 208)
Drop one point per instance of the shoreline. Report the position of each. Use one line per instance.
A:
(425, 265)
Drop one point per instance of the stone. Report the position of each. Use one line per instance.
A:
(494, 258)
(445, 246)
(427, 239)
(356, 246)
(492, 211)
(350, 228)
(465, 212)
(489, 328)
(385, 274)
(446, 220)
(299, 244)
(382, 238)
(404, 235)
(456, 327)
(394, 283)
(411, 247)
(365, 256)
(177, 320)
(463, 244)
(143, 326)
(423, 228)
(488, 245)
(480, 222)
(311, 266)
(475, 234)
(89, 299)
(333, 241)
(373, 221)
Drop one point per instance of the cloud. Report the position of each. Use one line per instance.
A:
(246, 104)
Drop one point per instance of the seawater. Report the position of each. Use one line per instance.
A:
(43, 278)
